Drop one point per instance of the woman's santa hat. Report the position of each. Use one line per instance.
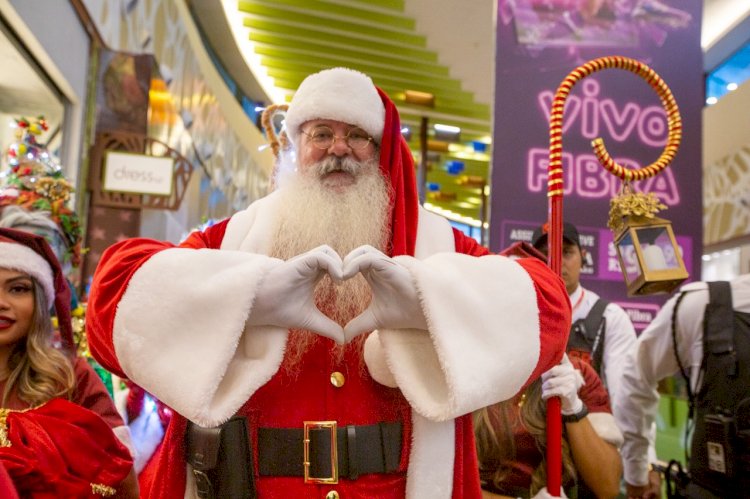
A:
(30, 254)
(351, 97)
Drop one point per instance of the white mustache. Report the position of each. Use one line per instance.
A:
(335, 164)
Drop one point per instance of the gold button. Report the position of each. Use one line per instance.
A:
(332, 495)
(337, 380)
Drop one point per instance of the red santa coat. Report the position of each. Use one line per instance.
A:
(172, 319)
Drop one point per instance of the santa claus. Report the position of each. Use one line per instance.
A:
(350, 328)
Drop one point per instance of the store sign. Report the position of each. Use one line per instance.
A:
(138, 173)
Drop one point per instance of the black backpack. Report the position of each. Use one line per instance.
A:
(720, 450)
(587, 334)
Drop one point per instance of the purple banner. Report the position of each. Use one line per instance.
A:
(538, 43)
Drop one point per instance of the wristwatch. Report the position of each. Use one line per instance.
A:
(574, 418)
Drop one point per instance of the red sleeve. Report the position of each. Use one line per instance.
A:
(117, 265)
(209, 238)
(93, 395)
(7, 489)
(468, 245)
(554, 315)
(592, 393)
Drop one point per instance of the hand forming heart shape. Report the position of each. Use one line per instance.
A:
(285, 297)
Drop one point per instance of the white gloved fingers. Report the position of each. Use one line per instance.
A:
(364, 259)
(563, 381)
(356, 252)
(324, 326)
(319, 261)
(544, 494)
(565, 360)
(364, 322)
(556, 372)
(285, 295)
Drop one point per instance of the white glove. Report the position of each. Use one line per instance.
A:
(543, 494)
(147, 432)
(564, 381)
(286, 295)
(395, 303)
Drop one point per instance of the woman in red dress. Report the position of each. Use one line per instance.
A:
(57, 421)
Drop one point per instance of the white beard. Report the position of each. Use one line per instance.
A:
(314, 215)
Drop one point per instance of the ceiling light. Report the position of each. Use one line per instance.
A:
(712, 100)
(419, 98)
(447, 132)
(731, 86)
(446, 128)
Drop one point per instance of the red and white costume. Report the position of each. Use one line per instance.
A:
(174, 320)
(59, 448)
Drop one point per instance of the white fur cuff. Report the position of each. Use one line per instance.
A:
(604, 426)
(18, 257)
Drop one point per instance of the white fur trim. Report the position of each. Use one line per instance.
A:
(431, 460)
(375, 361)
(338, 94)
(604, 425)
(123, 435)
(18, 257)
(483, 339)
(195, 353)
(434, 235)
(251, 229)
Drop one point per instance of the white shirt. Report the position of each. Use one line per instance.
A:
(619, 336)
(653, 359)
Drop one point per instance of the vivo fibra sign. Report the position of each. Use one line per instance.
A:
(595, 116)
(138, 173)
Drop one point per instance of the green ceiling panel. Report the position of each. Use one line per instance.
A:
(385, 57)
(397, 5)
(278, 34)
(386, 76)
(334, 9)
(291, 17)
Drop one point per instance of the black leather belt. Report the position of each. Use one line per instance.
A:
(355, 450)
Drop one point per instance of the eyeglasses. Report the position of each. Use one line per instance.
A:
(323, 137)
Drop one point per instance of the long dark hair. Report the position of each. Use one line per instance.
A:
(496, 447)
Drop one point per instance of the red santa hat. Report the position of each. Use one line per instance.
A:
(338, 94)
(349, 96)
(30, 253)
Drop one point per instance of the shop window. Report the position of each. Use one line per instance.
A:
(27, 92)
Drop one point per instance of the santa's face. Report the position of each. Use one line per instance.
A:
(337, 143)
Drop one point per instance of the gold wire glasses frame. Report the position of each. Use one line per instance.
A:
(323, 137)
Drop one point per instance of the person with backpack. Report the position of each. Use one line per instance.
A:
(601, 332)
(703, 333)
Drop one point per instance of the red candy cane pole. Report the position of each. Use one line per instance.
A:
(555, 198)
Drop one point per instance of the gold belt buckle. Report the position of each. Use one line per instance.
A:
(330, 425)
